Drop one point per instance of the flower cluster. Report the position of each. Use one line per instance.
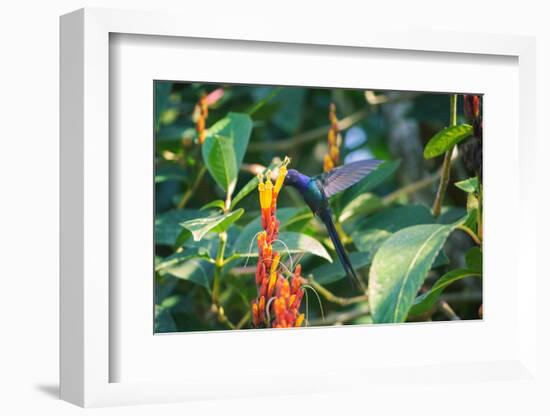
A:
(472, 111)
(472, 149)
(278, 301)
(200, 113)
(332, 159)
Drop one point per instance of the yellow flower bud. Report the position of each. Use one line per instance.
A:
(275, 263)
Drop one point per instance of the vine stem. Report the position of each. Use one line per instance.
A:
(446, 170)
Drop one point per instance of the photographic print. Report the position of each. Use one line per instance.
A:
(293, 207)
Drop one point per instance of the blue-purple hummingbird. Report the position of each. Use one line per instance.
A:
(318, 189)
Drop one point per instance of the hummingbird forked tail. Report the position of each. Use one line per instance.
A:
(326, 217)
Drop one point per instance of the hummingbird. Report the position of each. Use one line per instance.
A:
(317, 190)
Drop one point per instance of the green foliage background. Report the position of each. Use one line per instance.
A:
(414, 263)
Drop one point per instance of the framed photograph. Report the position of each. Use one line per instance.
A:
(279, 213)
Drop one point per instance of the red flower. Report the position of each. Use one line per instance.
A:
(278, 301)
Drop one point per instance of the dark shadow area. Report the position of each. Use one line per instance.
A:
(51, 390)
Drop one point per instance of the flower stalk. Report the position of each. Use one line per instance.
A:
(332, 158)
(278, 299)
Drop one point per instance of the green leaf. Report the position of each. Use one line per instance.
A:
(445, 140)
(399, 268)
(219, 157)
(163, 320)
(291, 243)
(197, 271)
(199, 227)
(237, 127)
(332, 272)
(425, 302)
(468, 185)
(363, 204)
(218, 203)
(474, 260)
(250, 186)
(369, 234)
(167, 226)
(189, 253)
(374, 179)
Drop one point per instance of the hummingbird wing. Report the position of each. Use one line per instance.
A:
(342, 177)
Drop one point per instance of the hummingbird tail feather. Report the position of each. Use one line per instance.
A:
(326, 217)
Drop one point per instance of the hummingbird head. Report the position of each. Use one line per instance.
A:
(296, 179)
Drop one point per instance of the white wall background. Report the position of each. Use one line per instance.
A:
(29, 81)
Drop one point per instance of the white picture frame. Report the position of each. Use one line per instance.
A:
(87, 168)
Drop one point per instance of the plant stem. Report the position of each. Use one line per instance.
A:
(191, 190)
(410, 189)
(308, 136)
(470, 233)
(446, 171)
(331, 297)
(448, 311)
(243, 320)
(218, 267)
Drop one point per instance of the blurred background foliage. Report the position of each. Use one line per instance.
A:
(293, 121)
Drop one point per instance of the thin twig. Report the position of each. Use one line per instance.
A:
(448, 311)
(410, 189)
(308, 136)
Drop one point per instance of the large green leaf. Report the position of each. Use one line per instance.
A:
(219, 157)
(371, 181)
(167, 226)
(291, 243)
(424, 302)
(445, 140)
(188, 253)
(237, 127)
(199, 227)
(363, 204)
(332, 272)
(399, 268)
(198, 271)
(369, 234)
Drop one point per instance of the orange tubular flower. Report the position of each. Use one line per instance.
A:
(332, 159)
(200, 113)
(279, 299)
